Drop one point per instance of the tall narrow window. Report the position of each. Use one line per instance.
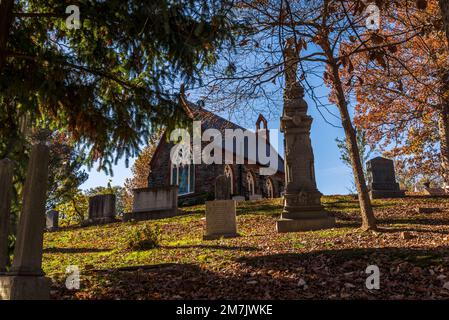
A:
(228, 173)
(183, 176)
(270, 189)
(250, 183)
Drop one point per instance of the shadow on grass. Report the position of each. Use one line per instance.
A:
(327, 274)
(213, 247)
(74, 250)
(410, 229)
(417, 221)
(384, 257)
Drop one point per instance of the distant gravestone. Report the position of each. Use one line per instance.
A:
(382, 179)
(101, 209)
(52, 221)
(428, 191)
(222, 188)
(153, 203)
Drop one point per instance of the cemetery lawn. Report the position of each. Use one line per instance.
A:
(411, 251)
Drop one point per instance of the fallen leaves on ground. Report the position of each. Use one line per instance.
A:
(410, 249)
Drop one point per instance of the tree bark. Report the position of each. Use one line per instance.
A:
(443, 121)
(6, 16)
(443, 126)
(366, 209)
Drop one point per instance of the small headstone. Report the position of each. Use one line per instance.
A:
(382, 179)
(101, 209)
(220, 219)
(222, 188)
(52, 222)
(255, 197)
(435, 192)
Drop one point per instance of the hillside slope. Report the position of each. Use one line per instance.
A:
(411, 251)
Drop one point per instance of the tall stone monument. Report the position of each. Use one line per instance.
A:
(26, 280)
(382, 179)
(302, 200)
(5, 208)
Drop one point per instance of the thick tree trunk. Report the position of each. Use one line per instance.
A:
(6, 7)
(443, 121)
(368, 219)
(444, 6)
(443, 125)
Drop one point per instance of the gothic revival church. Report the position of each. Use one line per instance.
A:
(196, 181)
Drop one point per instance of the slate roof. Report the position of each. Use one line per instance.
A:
(210, 120)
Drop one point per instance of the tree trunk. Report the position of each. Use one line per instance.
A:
(6, 7)
(443, 122)
(368, 219)
(444, 6)
(443, 125)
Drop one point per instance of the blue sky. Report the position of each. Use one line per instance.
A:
(333, 177)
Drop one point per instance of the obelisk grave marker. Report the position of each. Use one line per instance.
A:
(26, 280)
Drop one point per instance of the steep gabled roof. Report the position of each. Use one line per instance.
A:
(210, 120)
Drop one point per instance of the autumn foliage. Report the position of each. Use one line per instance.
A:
(400, 90)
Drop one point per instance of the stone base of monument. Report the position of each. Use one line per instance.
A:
(220, 220)
(309, 221)
(383, 194)
(14, 287)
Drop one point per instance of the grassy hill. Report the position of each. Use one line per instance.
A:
(411, 251)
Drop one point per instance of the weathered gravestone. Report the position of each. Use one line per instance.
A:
(382, 179)
(101, 209)
(26, 280)
(221, 214)
(5, 208)
(428, 191)
(153, 203)
(52, 221)
(222, 188)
